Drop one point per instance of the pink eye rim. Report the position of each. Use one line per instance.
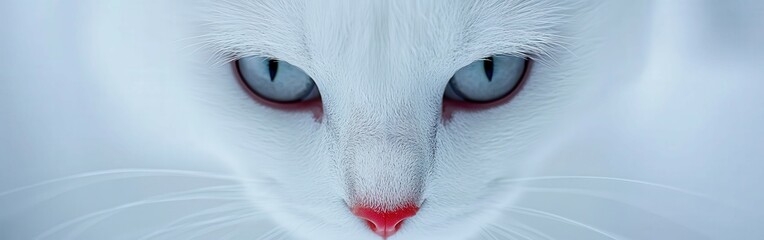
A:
(313, 105)
(450, 106)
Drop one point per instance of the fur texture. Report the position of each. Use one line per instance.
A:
(124, 120)
(381, 68)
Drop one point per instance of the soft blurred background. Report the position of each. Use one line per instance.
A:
(84, 88)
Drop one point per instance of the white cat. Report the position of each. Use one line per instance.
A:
(249, 119)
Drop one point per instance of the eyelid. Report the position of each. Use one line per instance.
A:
(486, 80)
(450, 106)
(277, 81)
(314, 105)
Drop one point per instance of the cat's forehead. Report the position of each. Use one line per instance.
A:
(382, 31)
(345, 39)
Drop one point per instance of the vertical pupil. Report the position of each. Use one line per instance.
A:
(273, 68)
(488, 67)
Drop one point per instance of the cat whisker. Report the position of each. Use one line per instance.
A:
(275, 232)
(485, 231)
(104, 176)
(584, 192)
(601, 178)
(315, 228)
(503, 234)
(176, 224)
(558, 218)
(210, 211)
(101, 218)
(594, 194)
(165, 198)
(531, 230)
(127, 173)
(510, 232)
(217, 224)
(229, 235)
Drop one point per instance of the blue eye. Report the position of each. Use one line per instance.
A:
(276, 81)
(487, 80)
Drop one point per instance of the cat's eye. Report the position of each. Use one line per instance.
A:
(487, 80)
(276, 81)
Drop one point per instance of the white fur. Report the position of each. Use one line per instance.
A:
(146, 85)
(381, 68)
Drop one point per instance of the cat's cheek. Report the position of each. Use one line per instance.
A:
(314, 106)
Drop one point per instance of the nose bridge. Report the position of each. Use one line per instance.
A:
(385, 150)
(393, 120)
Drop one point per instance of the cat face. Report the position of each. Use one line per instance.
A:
(115, 124)
(382, 136)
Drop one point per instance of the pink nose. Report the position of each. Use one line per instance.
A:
(385, 223)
